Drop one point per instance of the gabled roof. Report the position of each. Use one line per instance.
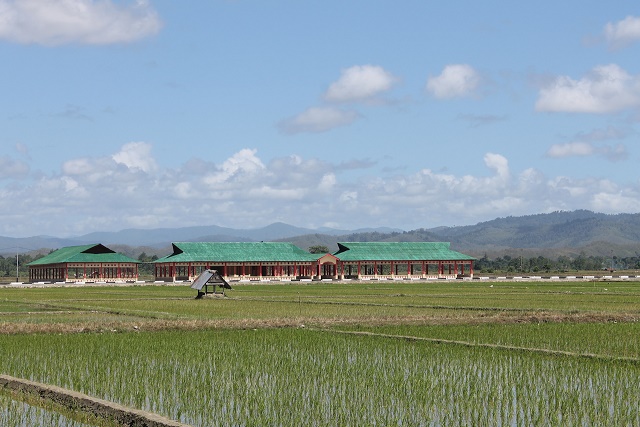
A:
(83, 253)
(398, 251)
(206, 276)
(237, 252)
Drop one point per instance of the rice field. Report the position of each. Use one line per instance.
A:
(281, 355)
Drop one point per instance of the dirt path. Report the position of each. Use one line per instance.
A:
(75, 401)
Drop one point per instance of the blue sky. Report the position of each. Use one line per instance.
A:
(348, 114)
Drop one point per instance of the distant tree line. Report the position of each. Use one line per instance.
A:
(146, 266)
(540, 264)
(8, 265)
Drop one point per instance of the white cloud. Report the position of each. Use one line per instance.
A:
(499, 164)
(77, 167)
(10, 168)
(349, 197)
(91, 194)
(610, 132)
(244, 163)
(23, 149)
(457, 80)
(360, 83)
(590, 144)
(327, 183)
(357, 84)
(570, 149)
(55, 22)
(318, 119)
(622, 33)
(583, 149)
(477, 120)
(136, 155)
(614, 153)
(607, 89)
(615, 202)
(184, 190)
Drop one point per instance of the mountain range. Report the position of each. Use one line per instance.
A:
(549, 234)
(162, 237)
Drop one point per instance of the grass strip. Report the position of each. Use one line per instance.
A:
(633, 360)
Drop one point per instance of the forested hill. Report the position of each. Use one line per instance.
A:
(552, 234)
(554, 230)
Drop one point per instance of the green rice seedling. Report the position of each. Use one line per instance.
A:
(301, 376)
(321, 303)
(317, 377)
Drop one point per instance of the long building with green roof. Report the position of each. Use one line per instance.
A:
(253, 261)
(236, 261)
(84, 263)
(423, 260)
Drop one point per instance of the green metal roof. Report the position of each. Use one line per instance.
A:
(83, 253)
(398, 251)
(237, 252)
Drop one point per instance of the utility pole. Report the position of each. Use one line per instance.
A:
(17, 271)
(611, 259)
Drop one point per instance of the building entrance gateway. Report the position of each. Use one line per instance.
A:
(328, 267)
